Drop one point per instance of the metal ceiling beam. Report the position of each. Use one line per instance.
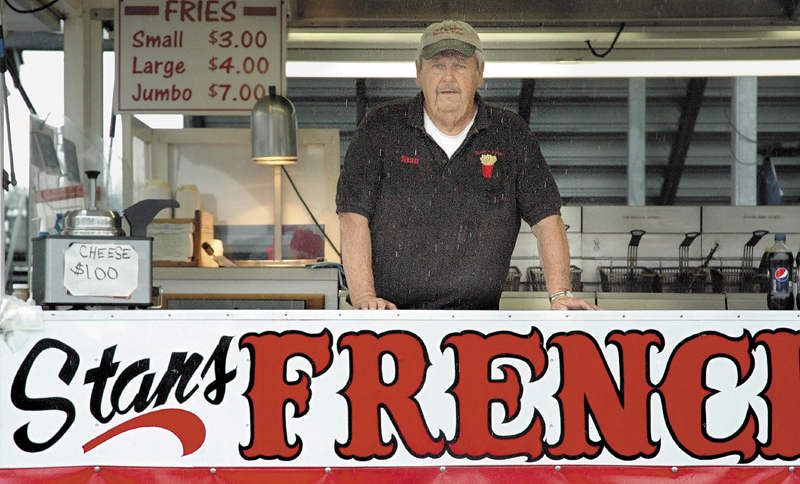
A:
(22, 41)
(522, 13)
(791, 8)
(683, 137)
(526, 99)
(361, 100)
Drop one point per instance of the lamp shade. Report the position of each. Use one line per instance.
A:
(274, 129)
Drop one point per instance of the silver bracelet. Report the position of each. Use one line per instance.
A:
(558, 294)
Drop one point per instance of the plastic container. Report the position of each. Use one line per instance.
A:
(189, 198)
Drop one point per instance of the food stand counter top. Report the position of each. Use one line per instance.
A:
(297, 287)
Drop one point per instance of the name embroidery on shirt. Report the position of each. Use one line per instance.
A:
(406, 159)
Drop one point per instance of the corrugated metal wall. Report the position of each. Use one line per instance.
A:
(582, 126)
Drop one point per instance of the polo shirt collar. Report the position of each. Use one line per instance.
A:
(416, 110)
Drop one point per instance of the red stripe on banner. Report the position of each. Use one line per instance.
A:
(404, 475)
(260, 11)
(142, 10)
(185, 425)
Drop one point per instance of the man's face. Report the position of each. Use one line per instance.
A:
(449, 81)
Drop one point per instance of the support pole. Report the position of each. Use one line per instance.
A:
(361, 100)
(744, 141)
(526, 99)
(83, 89)
(637, 131)
(277, 245)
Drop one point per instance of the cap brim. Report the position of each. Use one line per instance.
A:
(448, 44)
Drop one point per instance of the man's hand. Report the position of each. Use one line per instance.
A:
(564, 303)
(357, 260)
(372, 303)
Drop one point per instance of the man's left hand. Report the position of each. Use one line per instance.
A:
(564, 303)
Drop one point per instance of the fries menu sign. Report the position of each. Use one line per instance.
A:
(198, 56)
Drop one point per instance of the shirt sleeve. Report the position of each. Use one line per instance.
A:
(359, 180)
(537, 193)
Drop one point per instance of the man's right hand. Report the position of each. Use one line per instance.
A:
(357, 261)
(372, 303)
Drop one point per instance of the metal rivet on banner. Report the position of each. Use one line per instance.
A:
(213, 471)
(558, 468)
(442, 469)
(674, 470)
(791, 469)
(97, 468)
(327, 470)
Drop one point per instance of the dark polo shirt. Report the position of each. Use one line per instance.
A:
(443, 230)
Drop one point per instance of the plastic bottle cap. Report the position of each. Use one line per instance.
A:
(780, 237)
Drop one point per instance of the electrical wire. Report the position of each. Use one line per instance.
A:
(744, 137)
(730, 122)
(33, 10)
(111, 132)
(13, 179)
(309, 212)
(594, 52)
(11, 63)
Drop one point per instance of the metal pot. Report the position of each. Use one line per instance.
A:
(92, 221)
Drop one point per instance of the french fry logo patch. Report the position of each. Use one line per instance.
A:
(487, 164)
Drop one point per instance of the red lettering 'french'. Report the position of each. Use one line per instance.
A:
(685, 394)
(367, 394)
(621, 412)
(783, 354)
(270, 392)
(475, 391)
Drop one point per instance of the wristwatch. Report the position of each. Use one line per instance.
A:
(558, 294)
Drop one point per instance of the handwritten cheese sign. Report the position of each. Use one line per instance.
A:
(198, 56)
(105, 270)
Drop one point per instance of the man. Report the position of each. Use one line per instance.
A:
(433, 188)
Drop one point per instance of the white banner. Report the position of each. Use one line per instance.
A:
(409, 388)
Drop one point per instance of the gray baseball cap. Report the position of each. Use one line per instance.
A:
(449, 35)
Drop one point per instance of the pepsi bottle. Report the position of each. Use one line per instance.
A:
(797, 277)
(780, 265)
